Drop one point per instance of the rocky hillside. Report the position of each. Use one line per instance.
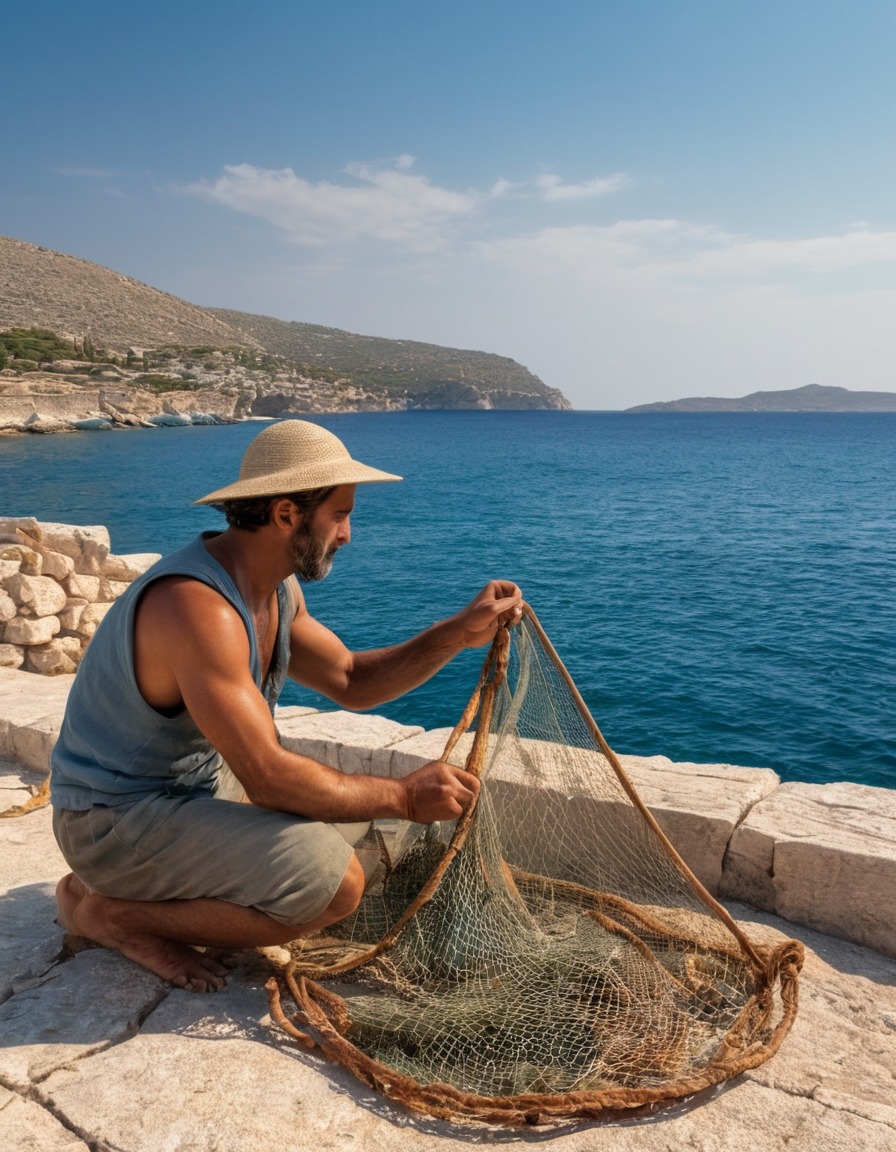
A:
(128, 354)
(433, 376)
(40, 288)
(810, 398)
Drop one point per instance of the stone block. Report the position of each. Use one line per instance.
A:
(26, 560)
(30, 865)
(291, 711)
(823, 855)
(82, 587)
(70, 615)
(59, 657)
(8, 608)
(88, 546)
(57, 565)
(9, 568)
(91, 619)
(129, 567)
(111, 589)
(38, 630)
(11, 656)
(27, 1126)
(38, 595)
(94, 1000)
(343, 740)
(24, 529)
(698, 806)
(401, 759)
(29, 743)
(31, 711)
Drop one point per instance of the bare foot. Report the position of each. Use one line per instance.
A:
(98, 918)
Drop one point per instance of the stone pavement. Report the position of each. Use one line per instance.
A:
(96, 1053)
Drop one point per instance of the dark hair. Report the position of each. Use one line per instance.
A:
(254, 512)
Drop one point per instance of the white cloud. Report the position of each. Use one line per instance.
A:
(553, 188)
(386, 204)
(386, 201)
(614, 314)
(501, 187)
(681, 250)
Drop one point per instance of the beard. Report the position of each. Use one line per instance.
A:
(311, 559)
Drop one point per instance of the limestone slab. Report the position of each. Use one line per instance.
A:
(88, 545)
(28, 630)
(31, 711)
(130, 566)
(91, 618)
(7, 607)
(408, 755)
(698, 806)
(30, 743)
(57, 565)
(823, 855)
(208, 1074)
(30, 866)
(11, 655)
(81, 1005)
(847, 994)
(24, 559)
(343, 740)
(41, 595)
(25, 1126)
(24, 529)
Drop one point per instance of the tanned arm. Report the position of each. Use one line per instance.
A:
(366, 679)
(192, 650)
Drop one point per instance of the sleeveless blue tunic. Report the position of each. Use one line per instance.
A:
(113, 747)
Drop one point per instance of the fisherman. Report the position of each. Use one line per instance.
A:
(169, 726)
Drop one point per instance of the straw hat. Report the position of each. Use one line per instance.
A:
(294, 456)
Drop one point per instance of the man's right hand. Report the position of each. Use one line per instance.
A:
(438, 791)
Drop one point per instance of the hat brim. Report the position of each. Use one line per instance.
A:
(327, 475)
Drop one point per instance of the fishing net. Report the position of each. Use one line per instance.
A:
(548, 955)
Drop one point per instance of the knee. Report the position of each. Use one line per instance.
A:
(348, 894)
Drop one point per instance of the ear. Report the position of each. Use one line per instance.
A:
(284, 514)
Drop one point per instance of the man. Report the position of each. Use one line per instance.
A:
(176, 692)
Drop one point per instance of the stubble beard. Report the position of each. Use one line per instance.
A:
(311, 559)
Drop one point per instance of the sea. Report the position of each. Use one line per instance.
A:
(720, 586)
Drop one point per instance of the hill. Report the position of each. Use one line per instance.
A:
(127, 345)
(434, 376)
(810, 398)
(40, 288)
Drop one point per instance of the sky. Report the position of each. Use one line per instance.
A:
(638, 200)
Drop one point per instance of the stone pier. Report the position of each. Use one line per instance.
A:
(97, 1054)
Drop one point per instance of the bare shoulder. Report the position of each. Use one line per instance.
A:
(183, 628)
(182, 601)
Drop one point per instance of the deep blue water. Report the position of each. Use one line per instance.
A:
(720, 586)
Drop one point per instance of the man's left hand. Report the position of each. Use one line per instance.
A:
(499, 602)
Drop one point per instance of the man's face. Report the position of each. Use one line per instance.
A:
(322, 533)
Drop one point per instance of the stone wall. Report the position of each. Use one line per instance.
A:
(57, 582)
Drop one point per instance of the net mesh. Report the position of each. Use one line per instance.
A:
(547, 956)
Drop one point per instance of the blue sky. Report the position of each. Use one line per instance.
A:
(638, 199)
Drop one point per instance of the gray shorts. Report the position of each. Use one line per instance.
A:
(184, 848)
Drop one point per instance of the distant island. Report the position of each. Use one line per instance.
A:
(83, 347)
(810, 398)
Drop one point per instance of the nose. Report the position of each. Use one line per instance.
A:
(344, 535)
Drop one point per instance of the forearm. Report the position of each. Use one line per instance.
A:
(382, 674)
(289, 782)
